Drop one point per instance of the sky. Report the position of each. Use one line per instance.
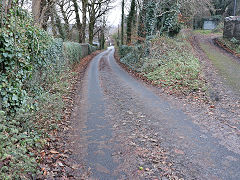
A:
(114, 15)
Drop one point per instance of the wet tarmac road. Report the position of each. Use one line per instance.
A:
(108, 93)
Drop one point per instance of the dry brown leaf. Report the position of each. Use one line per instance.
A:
(54, 152)
(177, 151)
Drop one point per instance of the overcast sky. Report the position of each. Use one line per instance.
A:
(114, 15)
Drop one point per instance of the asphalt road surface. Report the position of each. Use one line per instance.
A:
(124, 129)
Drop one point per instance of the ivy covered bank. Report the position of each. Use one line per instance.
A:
(34, 68)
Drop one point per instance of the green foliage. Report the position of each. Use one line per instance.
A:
(132, 57)
(171, 23)
(124, 50)
(33, 120)
(169, 63)
(33, 78)
(28, 59)
(205, 32)
(232, 44)
(159, 18)
(73, 51)
(151, 20)
(219, 28)
(91, 48)
(22, 49)
(173, 65)
(234, 40)
(18, 139)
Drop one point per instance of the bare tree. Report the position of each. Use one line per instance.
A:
(122, 23)
(101, 36)
(53, 24)
(84, 19)
(61, 31)
(78, 21)
(66, 11)
(96, 9)
(41, 10)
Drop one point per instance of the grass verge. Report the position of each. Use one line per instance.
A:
(227, 66)
(208, 32)
(171, 65)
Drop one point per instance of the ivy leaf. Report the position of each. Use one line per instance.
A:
(5, 55)
(15, 97)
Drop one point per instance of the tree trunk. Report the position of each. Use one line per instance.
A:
(84, 19)
(65, 19)
(53, 25)
(41, 12)
(91, 24)
(129, 21)
(102, 34)
(59, 25)
(90, 31)
(79, 25)
(102, 39)
(36, 9)
(141, 23)
(122, 24)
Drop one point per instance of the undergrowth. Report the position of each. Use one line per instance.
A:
(170, 63)
(232, 44)
(34, 76)
(23, 135)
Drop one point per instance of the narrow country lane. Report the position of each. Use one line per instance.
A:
(123, 129)
(226, 64)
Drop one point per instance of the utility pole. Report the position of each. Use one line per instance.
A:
(235, 7)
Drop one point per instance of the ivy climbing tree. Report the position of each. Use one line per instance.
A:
(122, 23)
(22, 49)
(141, 22)
(150, 20)
(158, 16)
(130, 21)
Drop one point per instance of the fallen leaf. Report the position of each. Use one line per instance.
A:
(44, 171)
(53, 152)
(177, 151)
